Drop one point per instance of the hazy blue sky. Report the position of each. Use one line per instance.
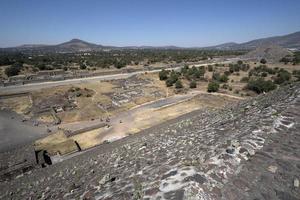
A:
(145, 22)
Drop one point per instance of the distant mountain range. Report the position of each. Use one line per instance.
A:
(287, 41)
(77, 45)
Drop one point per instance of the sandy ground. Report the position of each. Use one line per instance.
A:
(19, 104)
(14, 132)
(151, 114)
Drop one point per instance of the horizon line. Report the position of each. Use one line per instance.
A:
(120, 46)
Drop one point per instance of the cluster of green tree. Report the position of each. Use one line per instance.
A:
(120, 64)
(263, 61)
(296, 59)
(213, 86)
(210, 68)
(245, 79)
(259, 85)
(283, 76)
(105, 59)
(238, 66)
(11, 58)
(296, 74)
(193, 73)
(286, 59)
(226, 86)
(217, 78)
(262, 70)
(173, 77)
(14, 69)
(293, 59)
(163, 74)
(220, 78)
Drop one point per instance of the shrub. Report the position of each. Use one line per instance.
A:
(201, 69)
(264, 74)
(261, 71)
(195, 72)
(239, 62)
(213, 87)
(282, 76)
(216, 76)
(82, 66)
(210, 68)
(223, 78)
(285, 60)
(296, 73)
(41, 66)
(227, 73)
(14, 69)
(169, 82)
(260, 85)
(263, 61)
(193, 84)
(244, 79)
(163, 75)
(220, 78)
(234, 68)
(173, 77)
(185, 69)
(296, 58)
(199, 73)
(178, 84)
(225, 86)
(119, 64)
(245, 67)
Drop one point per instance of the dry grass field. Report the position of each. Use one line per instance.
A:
(140, 118)
(20, 104)
(56, 143)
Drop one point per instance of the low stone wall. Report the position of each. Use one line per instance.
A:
(96, 126)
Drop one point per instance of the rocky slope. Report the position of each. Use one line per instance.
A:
(246, 151)
(272, 53)
(286, 41)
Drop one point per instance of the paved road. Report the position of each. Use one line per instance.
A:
(36, 86)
